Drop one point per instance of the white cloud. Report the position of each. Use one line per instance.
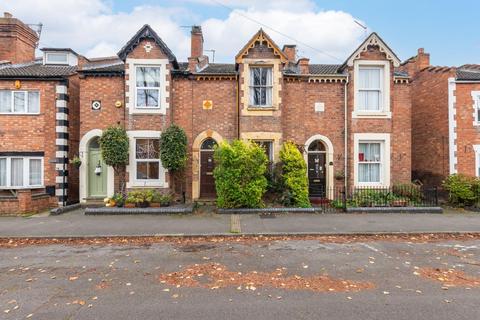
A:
(91, 27)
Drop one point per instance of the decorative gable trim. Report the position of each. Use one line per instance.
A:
(372, 40)
(261, 37)
(146, 32)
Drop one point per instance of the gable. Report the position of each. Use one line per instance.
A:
(372, 40)
(143, 35)
(261, 45)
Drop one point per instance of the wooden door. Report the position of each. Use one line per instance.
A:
(207, 181)
(316, 175)
(97, 183)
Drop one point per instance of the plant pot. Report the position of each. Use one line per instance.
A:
(399, 203)
(142, 204)
(154, 204)
(167, 204)
(129, 205)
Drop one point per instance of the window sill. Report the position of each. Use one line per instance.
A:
(256, 108)
(22, 188)
(147, 184)
(372, 115)
(18, 114)
(370, 185)
(136, 110)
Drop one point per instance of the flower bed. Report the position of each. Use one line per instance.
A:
(139, 199)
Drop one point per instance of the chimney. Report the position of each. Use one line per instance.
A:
(423, 59)
(196, 50)
(290, 51)
(17, 41)
(303, 64)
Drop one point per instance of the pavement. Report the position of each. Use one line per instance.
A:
(76, 224)
(293, 279)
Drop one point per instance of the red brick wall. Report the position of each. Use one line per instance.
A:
(32, 132)
(26, 202)
(430, 125)
(467, 134)
(17, 41)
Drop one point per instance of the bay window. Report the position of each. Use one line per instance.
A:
(19, 102)
(21, 172)
(147, 159)
(261, 86)
(370, 85)
(147, 87)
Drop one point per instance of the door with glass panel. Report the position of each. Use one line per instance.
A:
(207, 165)
(317, 169)
(97, 171)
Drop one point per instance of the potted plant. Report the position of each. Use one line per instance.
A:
(339, 175)
(156, 199)
(130, 201)
(119, 200)
(76, 162)
(165, 200)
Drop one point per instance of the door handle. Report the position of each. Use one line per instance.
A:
(209, 173)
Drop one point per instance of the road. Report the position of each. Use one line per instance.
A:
(293, 278)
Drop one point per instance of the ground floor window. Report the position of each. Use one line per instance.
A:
(372, 159)
(267, 146)
(476, 148)
(147, 159)
(21, 172)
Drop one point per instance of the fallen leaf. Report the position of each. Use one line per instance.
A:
(73, 278)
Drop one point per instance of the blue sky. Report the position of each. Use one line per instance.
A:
(100, 27)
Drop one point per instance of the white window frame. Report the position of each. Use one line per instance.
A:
(130, 82)
(272, 146)
(26, 173)
(27, 107)
(267, 87)
(476, 107)
(148, 88)
(384, 140)
(384, 111)
(48, 61)
(146, 160)
(132, 166)
(476, 148)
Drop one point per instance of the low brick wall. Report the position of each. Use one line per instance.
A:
(26, 202)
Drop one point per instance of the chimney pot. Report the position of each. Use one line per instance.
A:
(303, 63)
(290, 51)
(7, 15)
(421, 50)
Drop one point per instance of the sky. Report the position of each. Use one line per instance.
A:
(326, 31)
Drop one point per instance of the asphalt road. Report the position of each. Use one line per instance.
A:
(294, 279)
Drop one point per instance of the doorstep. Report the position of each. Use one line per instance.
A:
(188, 209)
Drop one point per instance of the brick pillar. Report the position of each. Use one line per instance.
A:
(24, 200)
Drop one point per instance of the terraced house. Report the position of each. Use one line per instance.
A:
(350, 120)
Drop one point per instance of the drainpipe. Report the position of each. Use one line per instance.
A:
(238, 105)
(346, 133)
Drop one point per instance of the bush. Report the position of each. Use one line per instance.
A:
(410, 191)
(114, 145)
(294, 172)
(173, 148)
(240, 175)
(463, 190)
(373, 198)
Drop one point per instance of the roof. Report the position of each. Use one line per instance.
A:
(219, 68)
(60, 50)
(36, 69)
(261, 36)
(468, 72)
(146, 32)
(104, 66)
(373, 39)
(315, 69)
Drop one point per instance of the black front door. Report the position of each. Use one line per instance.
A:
(207, 181)
(316, 175)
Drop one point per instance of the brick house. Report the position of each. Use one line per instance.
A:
(351, 119)
(38, 121)
(448, 99)
(267, 95)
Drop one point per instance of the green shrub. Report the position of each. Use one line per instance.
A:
(240, 175)
(173, 148)
(140, 197)
(463, 190)
(114, 146)
(372, 198)
(294, 172)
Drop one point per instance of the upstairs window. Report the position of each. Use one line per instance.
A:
(476, 106)
(147, 158)
(19, 102)
(370, 89)
(147, 87)
(57, 58)
(261, 86)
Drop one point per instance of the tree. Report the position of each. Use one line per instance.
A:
(114, 145)
(240, 175)
(173, 152)
(294, 172)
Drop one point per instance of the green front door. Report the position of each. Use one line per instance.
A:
(97, 182)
